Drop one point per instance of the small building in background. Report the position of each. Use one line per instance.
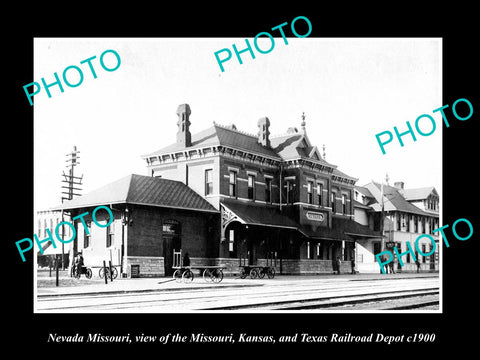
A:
(408, 214)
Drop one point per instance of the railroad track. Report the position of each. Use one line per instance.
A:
(394, 295)
(411, 299)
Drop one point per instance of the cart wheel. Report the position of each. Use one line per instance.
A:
(207, 275)
(271, 272)
(217, 275)
(261, 273)
(77, 274)
(253, 273)
(101, 273)
(243, 273)
(114, 272)
(187, 275)
(177, 275)
(88, 273)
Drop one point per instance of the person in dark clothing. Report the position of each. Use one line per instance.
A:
(338, 263)
(186, 260)
(418, 265)
(391, 267)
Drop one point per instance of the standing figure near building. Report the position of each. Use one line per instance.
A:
(186, 260)
(391, 266)
(339, 263)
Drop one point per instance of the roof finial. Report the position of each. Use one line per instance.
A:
(303, 122)
(386, 178)
(324, 156)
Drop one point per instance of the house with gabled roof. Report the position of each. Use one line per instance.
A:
(406, 215)
(152, 218)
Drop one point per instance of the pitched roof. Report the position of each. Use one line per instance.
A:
(393, 199)
(142, 190)
(418, 193)
(364, 191)
(220, 135)
(292, 145)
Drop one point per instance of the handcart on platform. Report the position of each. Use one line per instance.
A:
(258, 271)
(183, 273)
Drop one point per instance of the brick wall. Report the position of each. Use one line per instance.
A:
(243, 168)
(145, 240)
(145, 233)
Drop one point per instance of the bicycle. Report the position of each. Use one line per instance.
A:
(103, 271)
(83, 270)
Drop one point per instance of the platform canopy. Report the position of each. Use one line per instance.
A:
(270, 216)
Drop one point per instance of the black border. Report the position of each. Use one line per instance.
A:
(455, 25)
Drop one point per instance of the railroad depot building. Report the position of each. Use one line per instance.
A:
(223, 195)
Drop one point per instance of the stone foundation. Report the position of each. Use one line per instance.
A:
(151, 266)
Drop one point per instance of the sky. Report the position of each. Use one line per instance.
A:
(350, 89)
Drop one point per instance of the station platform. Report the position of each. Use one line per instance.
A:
(71, 286)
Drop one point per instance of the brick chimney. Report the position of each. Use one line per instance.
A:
(183, 134)
(399, 184)
(263, 131)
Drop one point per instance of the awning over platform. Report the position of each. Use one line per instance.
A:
(271, 216)
(354, 229)
(323, 233)
(256, 214)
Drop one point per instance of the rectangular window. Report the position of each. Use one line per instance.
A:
(86, 237)
(208, 182)
(232, 186)
(407, 222)
(268, 190)
(415, 224)
(399, 221)
(344, 203)
(110, 234)
(320, 194)
(251, 187)
(290, 191)
(231, 239)
(310, 192)
(334, 195)
(424, 251)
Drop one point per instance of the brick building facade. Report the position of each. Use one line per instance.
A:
(278, 198)
(152, 218)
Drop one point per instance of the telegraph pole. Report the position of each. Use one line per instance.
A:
(71, 186)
